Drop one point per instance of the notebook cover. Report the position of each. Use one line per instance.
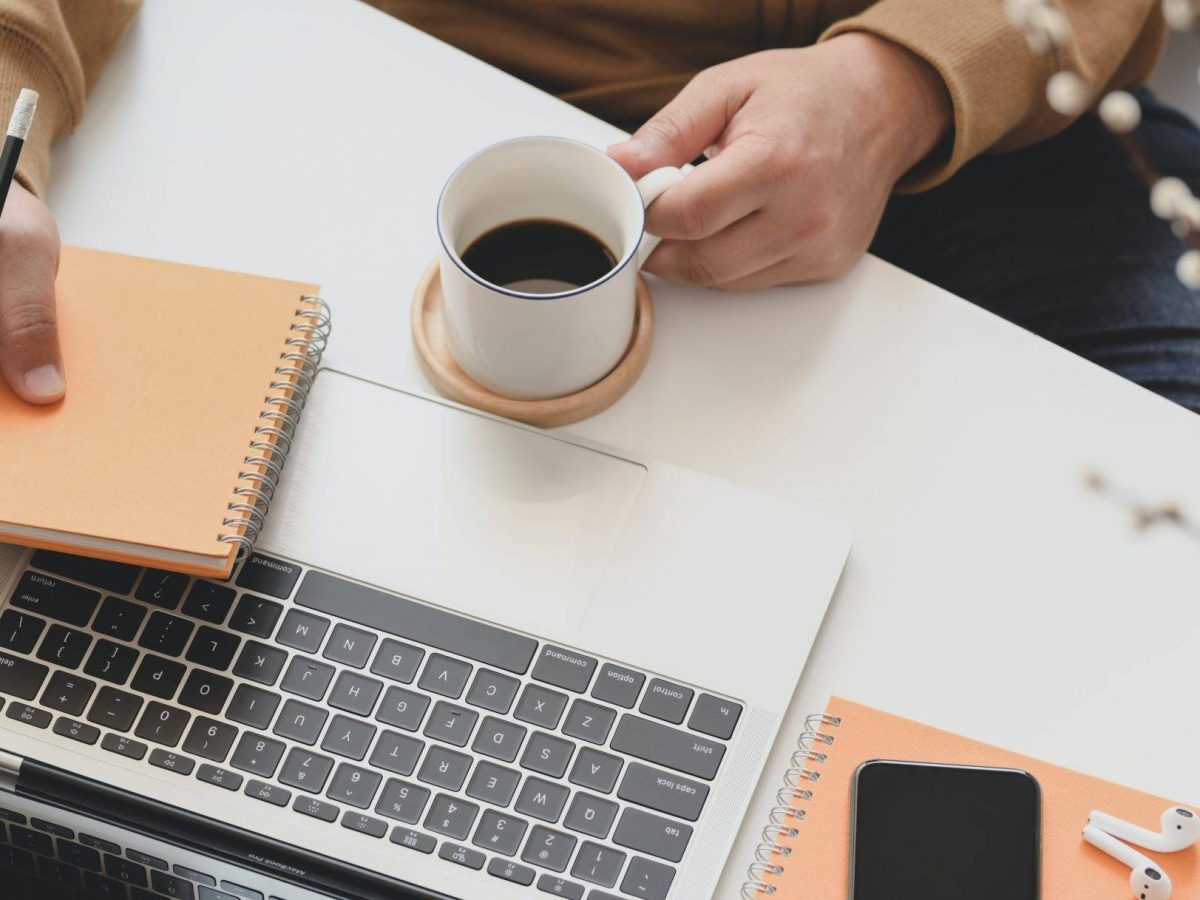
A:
(819, 863)
(167, 368)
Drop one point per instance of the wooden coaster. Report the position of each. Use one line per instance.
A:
(433, 352)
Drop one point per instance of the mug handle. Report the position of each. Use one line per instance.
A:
(650, 186)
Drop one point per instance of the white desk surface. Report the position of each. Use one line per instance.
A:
(989, 592)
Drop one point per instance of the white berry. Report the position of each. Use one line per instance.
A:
(1188, 269)
(1179, 14)
(1189, 214)
(1019, 12)
(1067, 93)
(1053, 23)
(1121, 112)
(1168, 198)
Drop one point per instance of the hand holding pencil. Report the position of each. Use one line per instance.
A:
(30, 358)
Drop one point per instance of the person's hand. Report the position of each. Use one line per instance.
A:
(29, 353)
(805, 147)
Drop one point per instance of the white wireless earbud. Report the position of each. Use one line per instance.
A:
(1147, 880)
(1180, 830)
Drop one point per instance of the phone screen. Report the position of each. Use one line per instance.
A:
(934, 832)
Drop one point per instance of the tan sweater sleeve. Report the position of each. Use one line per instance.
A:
(997, 84)
(56, 47)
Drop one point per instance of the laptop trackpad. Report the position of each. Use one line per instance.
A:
(450, 507)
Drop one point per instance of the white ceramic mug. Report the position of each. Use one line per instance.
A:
(533, 346)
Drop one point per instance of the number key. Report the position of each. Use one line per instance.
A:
(257, 754)
(210, 739)
(402, 801)
(500, 833)
(354, 786)
(597, 864)
(451, 816)
(305, 770)
(162, 724)
(549, 849)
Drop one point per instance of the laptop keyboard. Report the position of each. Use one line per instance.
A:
(44, 860)
(401, 722)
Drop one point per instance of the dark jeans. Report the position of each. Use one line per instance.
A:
(1059, 238)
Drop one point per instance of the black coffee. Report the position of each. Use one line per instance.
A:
(539, 256)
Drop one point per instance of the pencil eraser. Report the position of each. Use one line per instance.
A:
(22, 117)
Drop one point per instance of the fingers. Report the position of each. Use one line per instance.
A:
(801, 268)
(30, 358)
(715, 194)
(746, 247)
(686, 126)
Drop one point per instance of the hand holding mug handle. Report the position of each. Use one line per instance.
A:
(651, 186)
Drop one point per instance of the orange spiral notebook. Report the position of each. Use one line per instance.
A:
(184, 387)
(805, 854)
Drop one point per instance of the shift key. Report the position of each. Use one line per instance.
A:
(20, 677)
(667, 746)
(56, 599)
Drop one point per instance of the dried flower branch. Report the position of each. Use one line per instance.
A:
(1145, 515)
(1048, 30)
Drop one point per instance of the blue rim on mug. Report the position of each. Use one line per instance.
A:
(521, 295)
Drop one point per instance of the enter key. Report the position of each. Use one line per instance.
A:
(663, 792)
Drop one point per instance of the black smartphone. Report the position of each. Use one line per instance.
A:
(923, 831)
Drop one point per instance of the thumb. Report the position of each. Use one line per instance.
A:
(29, 351)
(684, 128)
(30, 359)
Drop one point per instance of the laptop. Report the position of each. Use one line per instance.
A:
(466, 660)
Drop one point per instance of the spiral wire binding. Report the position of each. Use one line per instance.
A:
(784, 815)
(292, 383)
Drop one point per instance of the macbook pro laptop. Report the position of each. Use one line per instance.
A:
(466, 660)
